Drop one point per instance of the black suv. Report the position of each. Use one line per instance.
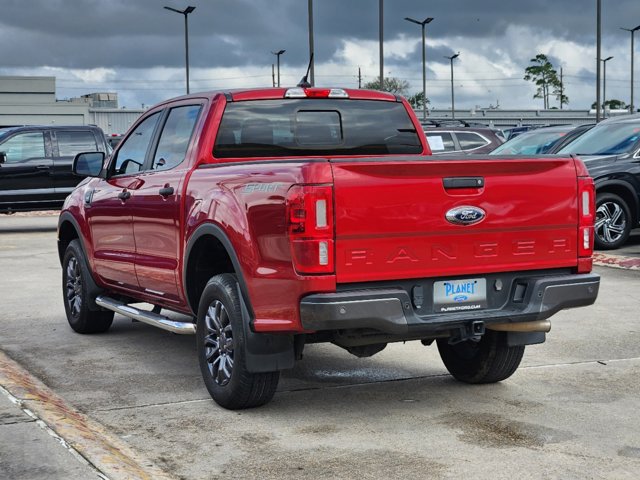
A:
(611, 152)
(35, 164)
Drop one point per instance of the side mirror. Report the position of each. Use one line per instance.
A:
(3, 157)
(88, 164)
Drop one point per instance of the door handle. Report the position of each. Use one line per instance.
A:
(166, 191)
(463, 182)
(42, 167)
(124, 195)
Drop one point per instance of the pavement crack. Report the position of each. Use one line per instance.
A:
(148, 405)
(18, 422)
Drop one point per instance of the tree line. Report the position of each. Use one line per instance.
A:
(549, 84)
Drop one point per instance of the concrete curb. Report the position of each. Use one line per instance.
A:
(105, 452)
(616, 261)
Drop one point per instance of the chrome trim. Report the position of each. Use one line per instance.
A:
(150, 318)
(154, 292)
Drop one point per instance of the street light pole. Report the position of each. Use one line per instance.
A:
(277, 54)
(598, 55)
(453, 107)
(604, 83)
(381, 34)
(424, 62)
(185, 12)
(632, 30)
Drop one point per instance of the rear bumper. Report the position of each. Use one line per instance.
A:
(391, 310)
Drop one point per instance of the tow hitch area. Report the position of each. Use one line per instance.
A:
(471, 331)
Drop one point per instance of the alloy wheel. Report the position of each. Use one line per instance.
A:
(74, 286)
(218, 343)
(611, 222)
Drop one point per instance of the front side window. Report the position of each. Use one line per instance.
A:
(133, 151)
(470, 140)
(23, 147)
(71, 142)
(315, 127)
(175, 137)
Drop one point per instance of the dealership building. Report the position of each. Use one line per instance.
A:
(32, 101)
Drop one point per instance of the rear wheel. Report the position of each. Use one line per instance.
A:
(613, 221)
(220, 339)
(76, 295)
(489, 360)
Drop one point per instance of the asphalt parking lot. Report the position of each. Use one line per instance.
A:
(571, 410)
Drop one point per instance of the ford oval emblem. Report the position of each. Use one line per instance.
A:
(465, 215)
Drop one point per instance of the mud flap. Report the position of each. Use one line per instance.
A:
(264, 352)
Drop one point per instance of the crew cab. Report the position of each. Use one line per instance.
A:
(36, 161)
(278, 217)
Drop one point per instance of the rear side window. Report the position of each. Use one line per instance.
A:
(71, 142)
(175, 137)
(440, 142)
(470, 140)
(282, 128)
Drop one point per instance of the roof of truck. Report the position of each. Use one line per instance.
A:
(280, 92)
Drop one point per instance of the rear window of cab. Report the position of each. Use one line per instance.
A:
(315, 127)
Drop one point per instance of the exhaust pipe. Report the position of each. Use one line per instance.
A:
(150, 318)
(527, 327)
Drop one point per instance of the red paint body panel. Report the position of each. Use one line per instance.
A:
(389, 218)
(255, 223)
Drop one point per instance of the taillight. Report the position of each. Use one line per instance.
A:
(586, 218)
(311, 228)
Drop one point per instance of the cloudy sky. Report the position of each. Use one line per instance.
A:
(136, 48)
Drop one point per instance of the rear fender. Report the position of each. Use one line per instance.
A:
(263, 352)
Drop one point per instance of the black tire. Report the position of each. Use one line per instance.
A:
(76, 294)
(488, 361)
(613, 221)
(220, 340)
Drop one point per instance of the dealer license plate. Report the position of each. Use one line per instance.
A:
(460, 295)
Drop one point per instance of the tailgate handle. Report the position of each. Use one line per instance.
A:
(463, 182)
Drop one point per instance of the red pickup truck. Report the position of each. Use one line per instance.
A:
(274, 218)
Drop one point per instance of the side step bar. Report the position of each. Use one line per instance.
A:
(150, 318)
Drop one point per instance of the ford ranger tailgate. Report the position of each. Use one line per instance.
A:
(411, 218)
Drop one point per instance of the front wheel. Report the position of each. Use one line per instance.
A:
(220, 339)
(75, 278)
(613, 221)
(489, 360)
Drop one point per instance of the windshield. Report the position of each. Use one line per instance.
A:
(5, 130)
(530, 143)
(612, 139)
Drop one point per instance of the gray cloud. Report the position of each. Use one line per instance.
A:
(134, 35)
(90, 33)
